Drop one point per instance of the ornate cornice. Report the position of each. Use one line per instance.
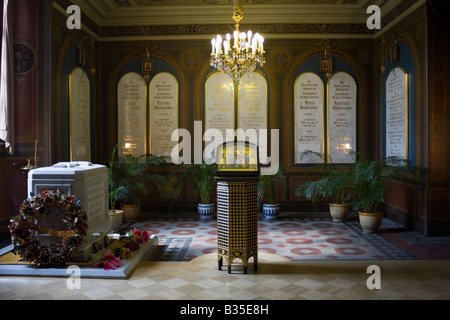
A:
(133, 31)
(116, 31)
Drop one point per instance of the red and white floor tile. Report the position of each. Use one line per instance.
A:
(298, 239)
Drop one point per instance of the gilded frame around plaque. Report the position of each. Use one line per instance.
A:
(177, 110)
(72, 145)
(141, 78)
(354, 118)
(296, 115)
(406, 110)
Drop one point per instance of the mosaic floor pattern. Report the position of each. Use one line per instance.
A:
(315, 259)
(297, 239)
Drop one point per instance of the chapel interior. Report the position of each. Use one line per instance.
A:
(148, 38)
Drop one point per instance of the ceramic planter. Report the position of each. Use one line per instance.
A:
(271, 211)
(115, 219)
(206, 211)
(131, 211)
(370, 222)
(339, 212)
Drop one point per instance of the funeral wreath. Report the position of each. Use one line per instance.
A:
(24, 228)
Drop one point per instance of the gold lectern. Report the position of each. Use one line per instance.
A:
(237, 176)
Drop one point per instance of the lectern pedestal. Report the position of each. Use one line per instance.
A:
(237, 176)
(237, 222)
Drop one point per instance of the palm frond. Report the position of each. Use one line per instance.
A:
(202, 177)
(266, 186)
(133, 175)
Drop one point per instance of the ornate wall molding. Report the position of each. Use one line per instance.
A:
(287, 29)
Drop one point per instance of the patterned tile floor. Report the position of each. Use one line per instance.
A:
(298, 239)
(188, 270)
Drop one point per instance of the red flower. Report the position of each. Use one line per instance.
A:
(141, 236)
(109, 262)
(111, 265)
(136, 232)
(108, 255)
(146, 236)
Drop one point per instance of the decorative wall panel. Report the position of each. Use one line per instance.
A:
(309, 117)
(132, 115)
(253, 110)
(219, 108)
(163, 113)
(342, 105)
(397, 113)
(80, 115)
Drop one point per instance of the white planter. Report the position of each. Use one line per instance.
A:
(271, 211)
(206, 211)
(115, 219)
(370, 222)
(339, 212)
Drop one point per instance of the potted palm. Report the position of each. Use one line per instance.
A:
(370, 183)
(133, 176)
(266, 194)
(202, 178)
(335, 184)
(115, 215)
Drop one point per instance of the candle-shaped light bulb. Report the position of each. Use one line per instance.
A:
(213, 43)
(256, 40)
(249, 37)
(226, 46)
(219, 45)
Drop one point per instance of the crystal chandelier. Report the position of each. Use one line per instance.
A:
(240, 55)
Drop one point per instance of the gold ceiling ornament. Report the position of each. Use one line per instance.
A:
(241, 55)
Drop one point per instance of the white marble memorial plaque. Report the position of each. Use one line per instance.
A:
(252, 111)
(309, 117)
(80, 115)
(163, 113)
(342, 104)
(219, 108)
(397, 114)
(132, 115)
